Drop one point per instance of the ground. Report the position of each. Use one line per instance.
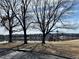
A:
(10, 54)
(64, 49)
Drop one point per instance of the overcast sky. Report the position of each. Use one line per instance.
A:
(72, 19)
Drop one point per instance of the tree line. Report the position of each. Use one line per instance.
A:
(38, 14)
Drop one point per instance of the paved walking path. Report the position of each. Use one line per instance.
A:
(10, 54)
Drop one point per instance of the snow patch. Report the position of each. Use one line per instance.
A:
(2, 42)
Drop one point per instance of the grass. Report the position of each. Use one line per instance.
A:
(64, 48)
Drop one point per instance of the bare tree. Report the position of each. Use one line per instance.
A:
(23, 16)
(7, 16)
(48, 13)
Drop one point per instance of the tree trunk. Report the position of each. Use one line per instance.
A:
(10, 35)
(25, 36)
(43, 39)
(24, 23)
(24, 29)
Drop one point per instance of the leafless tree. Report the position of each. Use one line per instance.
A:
(23, 16)
(7, 16)
(48, 13)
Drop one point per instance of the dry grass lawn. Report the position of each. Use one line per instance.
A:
(65, 48)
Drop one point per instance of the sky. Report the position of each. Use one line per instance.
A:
(72, 19)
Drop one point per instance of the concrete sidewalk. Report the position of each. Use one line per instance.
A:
(9, 54)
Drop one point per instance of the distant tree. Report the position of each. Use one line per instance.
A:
(48, 13)
(7, 16)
